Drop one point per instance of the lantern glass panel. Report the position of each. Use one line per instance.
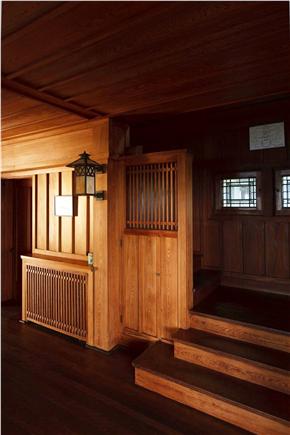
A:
(80, 185)
(90, 185)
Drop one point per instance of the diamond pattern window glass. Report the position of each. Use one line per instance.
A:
(239, 192)
(286, 191)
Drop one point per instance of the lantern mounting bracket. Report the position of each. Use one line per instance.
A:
(100, 195)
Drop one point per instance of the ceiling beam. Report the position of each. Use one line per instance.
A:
(50, 99)
(39, 21)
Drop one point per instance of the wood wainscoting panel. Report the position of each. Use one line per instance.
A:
(254, 247)
(232, 246)
(212, 244)
(130, 282)
(149, 284)
(277, 249)
(168, 286)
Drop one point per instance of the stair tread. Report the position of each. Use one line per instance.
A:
(159, 358)
(235, 348)
(255, 307)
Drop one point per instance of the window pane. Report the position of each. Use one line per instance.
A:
(286, 191)
(239, 192)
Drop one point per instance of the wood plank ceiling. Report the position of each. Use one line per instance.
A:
(63, 62)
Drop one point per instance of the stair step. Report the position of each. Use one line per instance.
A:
(242, 331)
(251, 407)
(252, 363)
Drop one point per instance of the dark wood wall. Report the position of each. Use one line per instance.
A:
(250, 250)
(16, 237)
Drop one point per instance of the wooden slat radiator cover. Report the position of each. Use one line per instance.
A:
(56, 296)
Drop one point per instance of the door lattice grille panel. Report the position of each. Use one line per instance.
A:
(57, 299)
(151, 191)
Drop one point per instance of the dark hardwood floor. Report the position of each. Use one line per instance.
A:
(256, 307)
(51, 385)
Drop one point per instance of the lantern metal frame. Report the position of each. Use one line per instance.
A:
(86, 167)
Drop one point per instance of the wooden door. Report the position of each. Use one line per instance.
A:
(168, 287)
(130, 283)
(157, 254)
(149, 285)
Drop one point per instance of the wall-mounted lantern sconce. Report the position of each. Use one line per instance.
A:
(84, 176)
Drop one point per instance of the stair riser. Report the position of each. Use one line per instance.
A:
(239, 368)
(242, 332)
(216, 406)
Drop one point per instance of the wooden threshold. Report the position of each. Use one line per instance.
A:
(242, 331)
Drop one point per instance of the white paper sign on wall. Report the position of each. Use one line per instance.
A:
(63, 205)
(267, 136)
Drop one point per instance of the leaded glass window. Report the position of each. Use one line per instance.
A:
(239, 192)
(286, 191)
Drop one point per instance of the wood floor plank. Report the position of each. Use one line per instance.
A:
(59, 387)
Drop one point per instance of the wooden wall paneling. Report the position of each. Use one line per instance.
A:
(7, 240)
(100, 250)
(277, 249)
(67, 222)
(197, 203)
(232, 246)
(185, 237)
(34, 151)
(91, 224)
(81, 229)
(131, 282)
(254, 247)
(54, 221)
(23, 228)
(168, 286)
(116, 225)
(211, 244)
(149, 284)
(42, 211)
(34, 212)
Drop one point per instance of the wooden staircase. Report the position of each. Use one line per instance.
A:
(235, 371)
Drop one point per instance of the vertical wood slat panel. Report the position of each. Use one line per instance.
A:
(66, 222)
(57, 299)
(80, 230)
(151, 191)
(41, 210)
(54, 187)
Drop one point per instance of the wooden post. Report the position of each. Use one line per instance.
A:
(185, 254)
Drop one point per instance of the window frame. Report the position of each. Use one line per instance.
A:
(278, 191)
(219, 209)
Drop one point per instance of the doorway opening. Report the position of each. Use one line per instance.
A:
(16, 235)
